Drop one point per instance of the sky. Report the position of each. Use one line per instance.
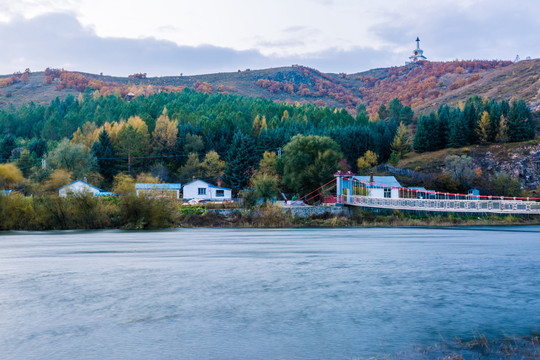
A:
(173, 37)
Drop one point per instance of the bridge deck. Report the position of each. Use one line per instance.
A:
(494, 206)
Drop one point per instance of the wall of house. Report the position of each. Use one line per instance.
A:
(379, 193)
(191, 191)
(77, 188)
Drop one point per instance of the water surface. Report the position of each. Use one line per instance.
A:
(263, 294)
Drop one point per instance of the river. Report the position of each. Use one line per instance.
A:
(263, 294)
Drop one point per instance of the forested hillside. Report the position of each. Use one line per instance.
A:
(175, 136)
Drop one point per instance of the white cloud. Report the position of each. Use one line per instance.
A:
(169, 37)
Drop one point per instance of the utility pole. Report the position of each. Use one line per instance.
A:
(279, 153)
(43, 164)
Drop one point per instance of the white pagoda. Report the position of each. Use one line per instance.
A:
(418, 54)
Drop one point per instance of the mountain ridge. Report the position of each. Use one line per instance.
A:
(423, 86)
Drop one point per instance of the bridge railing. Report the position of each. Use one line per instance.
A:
(440, 205)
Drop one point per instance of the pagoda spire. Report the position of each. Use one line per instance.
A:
(418, 54)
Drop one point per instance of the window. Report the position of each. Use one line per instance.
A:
(387, 193)
(202, 191)
(220, 193)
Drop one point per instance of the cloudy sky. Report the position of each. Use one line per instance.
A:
(169, 37)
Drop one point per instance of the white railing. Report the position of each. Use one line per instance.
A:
(443, 205)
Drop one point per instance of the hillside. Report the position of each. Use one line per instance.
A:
(423, 86)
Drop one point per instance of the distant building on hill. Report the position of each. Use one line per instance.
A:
(418, 54)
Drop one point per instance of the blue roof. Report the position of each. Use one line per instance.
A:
(380, 180)
(5, 192)
(417, 188)
(144, 186)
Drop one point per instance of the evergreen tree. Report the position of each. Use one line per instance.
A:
(495, 113)
(6, 148)
(457, 136)
(383, 112)
(394, 109)
(242, 159)
(443, 115)
(406, 115)
(105, 154)
(427, 137)
(521, 125)
(471, 114)
(38, 147)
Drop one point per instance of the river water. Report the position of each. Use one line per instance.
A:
(263, 294)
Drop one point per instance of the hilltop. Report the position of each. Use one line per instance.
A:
(423, 86)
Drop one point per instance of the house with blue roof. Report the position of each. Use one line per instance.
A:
(159, 190)
(201, 190)
(371, 186)
(81, 187)
(5, 192)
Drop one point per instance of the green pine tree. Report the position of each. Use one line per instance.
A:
(105, 154)
(242, 160)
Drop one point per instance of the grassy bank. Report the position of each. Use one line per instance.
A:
(139, 213)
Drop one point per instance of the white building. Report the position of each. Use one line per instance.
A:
(201, 190)
(159, 190)
(380, 186)
(370, 186)
(81, 187)
(417, 55)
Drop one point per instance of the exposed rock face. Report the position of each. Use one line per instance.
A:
(522, 163)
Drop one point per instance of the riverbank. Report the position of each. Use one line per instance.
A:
(140, 213)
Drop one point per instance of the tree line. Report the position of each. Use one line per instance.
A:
(174, 137)
(476, 122)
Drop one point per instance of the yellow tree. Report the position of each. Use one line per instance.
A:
(10, 175)
(212, 166)
(87, 136)
(133, 141)
(268, 163)
(166, 133)
(483, 128)
(368, 160)
(257, 126)
(401, 145)
(57, 179)
(502, 134)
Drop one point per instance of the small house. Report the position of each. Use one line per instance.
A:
(201, 190)
(474, 194)
(371, 186)
(5, 192)
(159, 190)
(81, 187)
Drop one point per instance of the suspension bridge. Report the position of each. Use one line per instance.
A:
(384, 192)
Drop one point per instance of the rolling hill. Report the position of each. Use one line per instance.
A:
(423, 86)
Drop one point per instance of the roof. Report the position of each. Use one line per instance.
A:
(417, 188)
(144, 186)
(92, 186)
(5, 192)
(209, 185)
(380, 180)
